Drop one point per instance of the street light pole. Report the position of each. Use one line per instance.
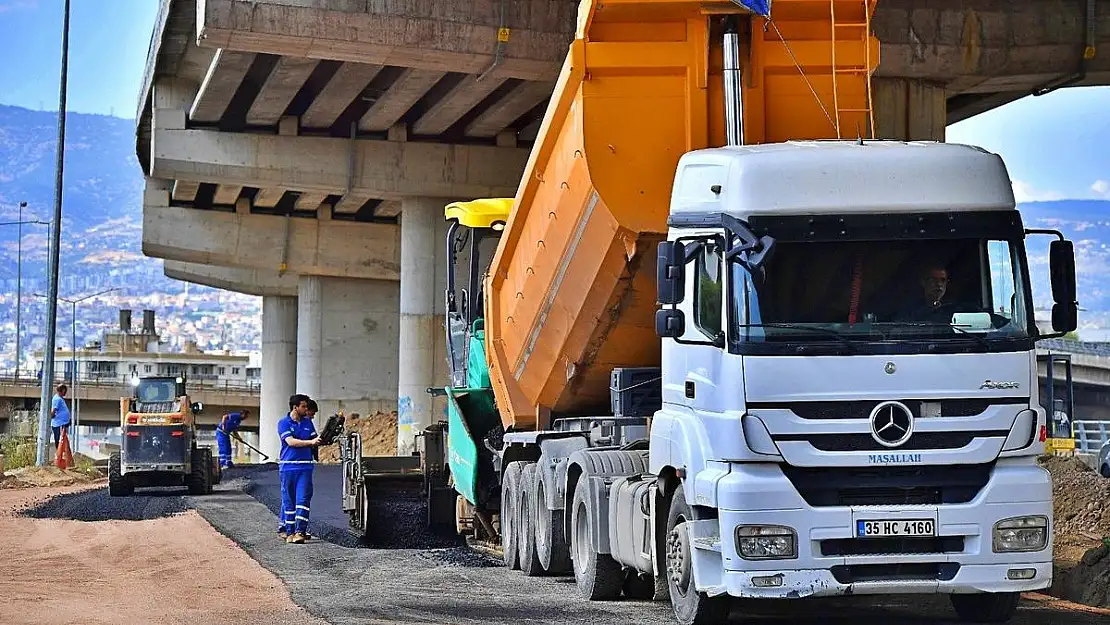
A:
(55, 245)
(19, 294)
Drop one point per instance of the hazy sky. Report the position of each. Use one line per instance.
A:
(1055, 146)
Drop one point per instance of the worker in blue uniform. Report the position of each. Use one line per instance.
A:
(295, 465)
(225, 431)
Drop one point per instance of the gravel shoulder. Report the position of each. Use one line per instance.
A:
(166, 570)
(358, 585)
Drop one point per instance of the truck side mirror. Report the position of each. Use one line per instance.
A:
(1061, 265)
(670, 323)
(670, 272)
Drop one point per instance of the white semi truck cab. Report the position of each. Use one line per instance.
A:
(849, 389)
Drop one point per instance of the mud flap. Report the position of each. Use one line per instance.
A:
(705, 542)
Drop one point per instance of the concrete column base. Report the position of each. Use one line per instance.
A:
(909, 109)
(279, 368)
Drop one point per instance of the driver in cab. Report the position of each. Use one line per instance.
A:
(931, 306)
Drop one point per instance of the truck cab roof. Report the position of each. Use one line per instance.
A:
(836, 177)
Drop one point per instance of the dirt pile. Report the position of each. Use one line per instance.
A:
(30, 477)
(1080, 497)
(379, 436)
(1082, 531)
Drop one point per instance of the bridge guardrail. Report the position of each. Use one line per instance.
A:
(1090, 436)
(227, 386)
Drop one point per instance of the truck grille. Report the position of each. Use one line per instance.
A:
(888, 486)
(891, 546)
(865, 442)
(862, 409)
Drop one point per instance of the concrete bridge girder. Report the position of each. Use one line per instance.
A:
(373, 168)
(258, 282)
(315, 246)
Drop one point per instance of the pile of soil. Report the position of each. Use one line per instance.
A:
(1080, 497)
(30, 477)
(379, 436)
(1082, 531)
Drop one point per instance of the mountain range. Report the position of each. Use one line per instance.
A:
(102, 238)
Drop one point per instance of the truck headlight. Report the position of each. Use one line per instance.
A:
(1023, 533)
(766, 542)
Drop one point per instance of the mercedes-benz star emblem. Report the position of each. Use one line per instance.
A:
(890, 368)
(891, 424)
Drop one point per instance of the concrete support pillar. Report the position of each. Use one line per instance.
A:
(310, 340)
(279, 367)
(347, 344)
(909, 109)
(422, 344)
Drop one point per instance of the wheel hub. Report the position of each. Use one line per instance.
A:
(678, 559)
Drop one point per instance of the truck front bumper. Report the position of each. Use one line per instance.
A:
(831, 560)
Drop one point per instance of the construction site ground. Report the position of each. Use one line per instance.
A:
(218, 559)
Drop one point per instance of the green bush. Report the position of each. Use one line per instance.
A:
(18, 452)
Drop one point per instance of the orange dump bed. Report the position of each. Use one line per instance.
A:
(571, 290)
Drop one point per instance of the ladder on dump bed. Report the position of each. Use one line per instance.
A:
(864, 28)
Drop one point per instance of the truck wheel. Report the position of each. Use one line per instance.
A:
(551, 544)
(200, 473)
(690, 606)
(118, 484)
(986, 607)
(529, 559)
(510, 516)
(598, 575)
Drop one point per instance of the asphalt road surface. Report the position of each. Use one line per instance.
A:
(347, 585)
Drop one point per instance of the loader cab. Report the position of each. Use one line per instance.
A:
(473, 231)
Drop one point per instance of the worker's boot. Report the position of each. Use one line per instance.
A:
(296, 539)
(282, 534)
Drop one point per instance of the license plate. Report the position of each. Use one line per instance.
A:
(902, 528)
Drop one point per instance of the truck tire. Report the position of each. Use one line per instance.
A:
(529, 559)
(986, 607)
(510, 516)
(200, 475)
(551, 543)
(690, 606)
(597, 575)
(118, 484)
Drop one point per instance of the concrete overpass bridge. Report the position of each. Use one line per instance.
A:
(302, 150)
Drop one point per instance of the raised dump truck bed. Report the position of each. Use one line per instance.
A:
(571, 292)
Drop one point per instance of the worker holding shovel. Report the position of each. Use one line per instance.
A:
(225, 431)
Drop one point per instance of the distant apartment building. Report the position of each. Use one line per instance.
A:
(126, 353)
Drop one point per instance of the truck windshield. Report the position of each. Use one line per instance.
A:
(969, 292)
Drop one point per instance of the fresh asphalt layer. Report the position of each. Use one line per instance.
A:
(348, 585)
